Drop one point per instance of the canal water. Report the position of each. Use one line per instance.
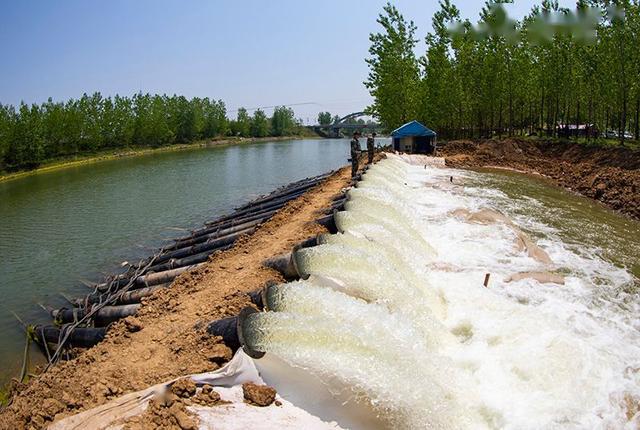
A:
(78, 223)
(393, 317)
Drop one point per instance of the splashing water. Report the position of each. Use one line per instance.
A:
(394, 308)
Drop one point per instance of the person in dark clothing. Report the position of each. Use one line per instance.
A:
(355, 153)
(371, 141)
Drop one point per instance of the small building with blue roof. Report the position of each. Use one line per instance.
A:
(414, 138)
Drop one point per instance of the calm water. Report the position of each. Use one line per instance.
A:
(71, 224)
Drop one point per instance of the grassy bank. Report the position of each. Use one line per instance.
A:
(111, 154)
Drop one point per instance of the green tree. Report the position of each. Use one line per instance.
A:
(259, 124)
(242, 124)
(26, 143)
(283, 121)
(7, 119)
(439, 103)
(90, 111)
(393, 69)
(502, 76)
(324, 118)
(215, 118)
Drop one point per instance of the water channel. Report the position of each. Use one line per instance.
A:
(77, 223)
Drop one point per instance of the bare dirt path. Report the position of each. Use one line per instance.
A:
(161, 342)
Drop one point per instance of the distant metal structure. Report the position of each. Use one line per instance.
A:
(333, 130)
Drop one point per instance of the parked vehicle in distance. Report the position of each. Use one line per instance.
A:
(610, 134)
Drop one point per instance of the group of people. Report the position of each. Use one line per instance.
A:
(355, 151)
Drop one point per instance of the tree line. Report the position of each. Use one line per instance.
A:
(31, 134)
(506, 77)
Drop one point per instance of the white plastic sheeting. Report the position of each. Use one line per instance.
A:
(235, 415)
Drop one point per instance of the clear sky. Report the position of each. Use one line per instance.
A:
(249, 53)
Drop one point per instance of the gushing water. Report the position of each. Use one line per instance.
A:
(394, 308)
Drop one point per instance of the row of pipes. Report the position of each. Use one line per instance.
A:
(85, 322)
(233, 330)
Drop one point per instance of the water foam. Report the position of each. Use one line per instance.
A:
(394, 307)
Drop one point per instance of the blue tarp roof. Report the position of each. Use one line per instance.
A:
(413, 128)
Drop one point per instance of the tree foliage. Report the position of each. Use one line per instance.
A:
(34, 133)
(283, 121)
(393, 69)
(478, 82)
(260, 124)
(325, 118)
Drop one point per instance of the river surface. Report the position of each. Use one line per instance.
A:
(75, 223)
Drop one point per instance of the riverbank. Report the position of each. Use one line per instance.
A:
(112, 154)
(167, 337)
(606, 174)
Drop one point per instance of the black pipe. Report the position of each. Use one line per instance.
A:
(240, 219)
(233, 332)
(82, 337)
(210, 245)
(125, 298)
(328, 222)
(279, 202)
(256, 298)
(272, 205)
(214, 234)
(284, 264)
(150, 279)
(103, 317)
(212, 227)
(175, 263)
(260, 297)
(291, 188)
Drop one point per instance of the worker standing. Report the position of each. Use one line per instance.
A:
(355, 153)
(371, 141)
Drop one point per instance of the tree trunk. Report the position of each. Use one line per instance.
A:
(637, 124)
(591, 130)
(541, 111)
(578, 119)
(530, 117)
(500, 121)
(555, 117)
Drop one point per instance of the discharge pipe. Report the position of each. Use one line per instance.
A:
(286, 263)
(82, 337)
(234, 333)
(103, 317)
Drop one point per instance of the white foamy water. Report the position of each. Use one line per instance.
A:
(394, 308)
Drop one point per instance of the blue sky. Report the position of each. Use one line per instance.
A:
(249, 53)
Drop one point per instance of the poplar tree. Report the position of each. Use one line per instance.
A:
(259, 124)
(536, 76)
(393, 70)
